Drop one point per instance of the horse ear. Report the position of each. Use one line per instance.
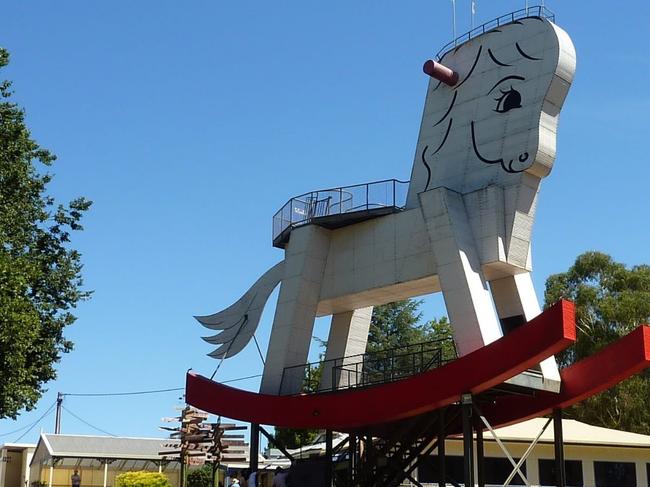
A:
(440, 72)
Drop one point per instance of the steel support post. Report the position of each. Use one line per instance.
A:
(329, 440)
(183, 478)
(468, 440)
(369, 456)
(442, 434)
(352, 454)
(480, 453)
(560, 473)
(254, 450)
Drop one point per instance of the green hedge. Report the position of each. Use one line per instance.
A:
(142, 479)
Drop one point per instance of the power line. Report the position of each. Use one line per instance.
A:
(87, 423)
(241, 378)
(133, 393)
(136, 393)
(31, 426)
(15, 431)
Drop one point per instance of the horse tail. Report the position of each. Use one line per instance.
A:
(238, 322)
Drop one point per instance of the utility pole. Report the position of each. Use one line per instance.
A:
(59, 405)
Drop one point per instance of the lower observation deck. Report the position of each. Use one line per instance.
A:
(339, 207)
(374, 405)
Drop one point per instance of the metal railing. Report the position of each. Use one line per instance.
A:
(536, 11)
(303, 209)
(367, 369)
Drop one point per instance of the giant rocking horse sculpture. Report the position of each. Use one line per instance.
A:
(486, 141)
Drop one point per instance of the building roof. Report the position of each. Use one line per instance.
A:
(574, 432)
(17, 446)
(81, 446)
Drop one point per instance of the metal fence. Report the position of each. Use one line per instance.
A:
(536, 11)
(303, 209)
(367, 369)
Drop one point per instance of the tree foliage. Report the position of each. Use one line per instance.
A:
(295, 438)
(400, 323)
(611, 300)
(142, 479)
(40, 275)
(201, 477)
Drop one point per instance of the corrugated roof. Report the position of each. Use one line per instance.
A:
(105, 446)
(574, 432)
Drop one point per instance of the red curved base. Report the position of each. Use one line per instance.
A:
(547, 334)
(614, 363)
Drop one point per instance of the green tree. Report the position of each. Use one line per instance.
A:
(295, 438)
(201, 477)
(611, 300)
(400, 323)
(40, 275)
(142, 479)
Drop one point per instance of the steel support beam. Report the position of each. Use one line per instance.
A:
(352, 460)
(442, 435)
(329, 453)
(558, 440)
(480, 453)
(254, 452)
(277, 444)
(468, 439)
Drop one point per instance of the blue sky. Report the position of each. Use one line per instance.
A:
(189, 124)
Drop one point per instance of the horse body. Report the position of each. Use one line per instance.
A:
(483, 148)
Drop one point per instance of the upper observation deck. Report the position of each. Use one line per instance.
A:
(538, 11)
(338, 207)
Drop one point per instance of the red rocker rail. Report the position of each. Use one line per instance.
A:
(547, 334)
(616, 362)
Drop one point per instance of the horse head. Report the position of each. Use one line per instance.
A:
(497, 124)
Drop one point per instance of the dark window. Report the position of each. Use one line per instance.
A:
(428, 469)
(512, 323)
(615, 474)
(573, 469)
(497, 471)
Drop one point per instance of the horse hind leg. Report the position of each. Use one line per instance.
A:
(293, 324)
(347, 341)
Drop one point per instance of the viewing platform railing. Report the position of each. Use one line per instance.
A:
(367, 369)
(536, 11)
(389, 194)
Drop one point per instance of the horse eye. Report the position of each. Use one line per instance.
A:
(508, 100)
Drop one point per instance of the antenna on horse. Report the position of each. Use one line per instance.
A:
(473, 12)
(453, 19)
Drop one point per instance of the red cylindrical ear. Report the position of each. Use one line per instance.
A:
(440, 72)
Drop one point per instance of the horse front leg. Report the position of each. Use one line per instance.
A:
(516, 303)
(464, 288)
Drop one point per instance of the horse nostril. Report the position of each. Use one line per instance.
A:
(523, 157)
